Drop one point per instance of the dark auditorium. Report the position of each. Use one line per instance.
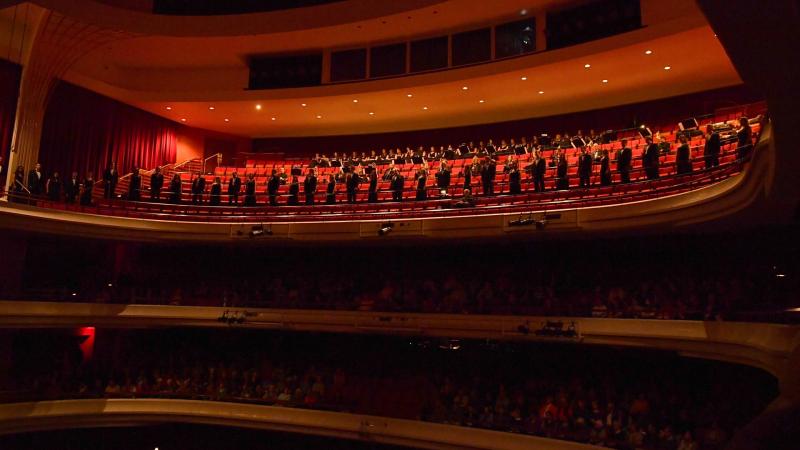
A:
(398, 225)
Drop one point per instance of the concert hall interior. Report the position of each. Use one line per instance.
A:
(416, 224)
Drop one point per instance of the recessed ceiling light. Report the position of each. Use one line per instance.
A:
(586, 66)
(169, 108)
(409, 95)
(274, 118)
(371, 113)
(258, 107)
(524, 78)
(481, 101)
(425, 108)
(303, 105)
(355, 100)
(211, 108)
(227, 120)
(605, 81)
(667, 67)
(464, 88)
(648, 52)
(319, 117)
(541, 92)
(523, 12)
(183, 120)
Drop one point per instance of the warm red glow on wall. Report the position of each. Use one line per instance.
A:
(86, 344)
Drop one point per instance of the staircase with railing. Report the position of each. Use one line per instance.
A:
(186, 169)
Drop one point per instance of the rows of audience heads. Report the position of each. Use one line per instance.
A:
(622, 399)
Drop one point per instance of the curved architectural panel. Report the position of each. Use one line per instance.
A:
(20, 417)
(767, 346)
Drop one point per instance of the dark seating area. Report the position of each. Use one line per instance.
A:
(729, 277)
(562, 391)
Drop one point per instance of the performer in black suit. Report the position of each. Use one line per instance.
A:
(422, 181)
(198, 189)
(373, 186)
(234, 187)
(443, 176)
(175, 189)
(110, 179)
(351, 182)
(156, 183)
(86, 189)
(514, 177)
(250, 190)
(397, 184)
(712, 149)
(624, 162)
(466, 173)
(54, 187)
(330, 191)
(683, 157)
(294, 191)
(135, 186)
(585, 168)
(216, 192)
(273, 184)
(744, 138)
(71, 187)
(36, 181)
(562, 178)
(488, 172)
(310, 187)
(539, 171)
(650, 159)
(605, 169)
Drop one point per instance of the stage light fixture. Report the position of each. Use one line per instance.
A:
(385, 229)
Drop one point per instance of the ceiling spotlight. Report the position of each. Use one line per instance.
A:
(169, 108)
(303, 105)
(524, 12)
(425, 108)
(355, 100)
(319, 117)
(524, 78)
(258, 107)
(464, 88)
(541, 92)
(667, 67)
(274, 118)
(409, 95)
(481, 101)
(586, 66)
(605, 81)
(227, 120)
(183, 120)
(648, 52)
(211, 108)
(371, 113)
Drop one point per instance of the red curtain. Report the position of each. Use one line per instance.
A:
(84, 131)
(10, 74)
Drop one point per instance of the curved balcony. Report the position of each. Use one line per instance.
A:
(48, 415)
(677, 200)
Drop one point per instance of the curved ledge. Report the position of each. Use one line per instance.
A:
(37, 416)
(762, 345)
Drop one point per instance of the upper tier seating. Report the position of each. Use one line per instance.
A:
(437, 203)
